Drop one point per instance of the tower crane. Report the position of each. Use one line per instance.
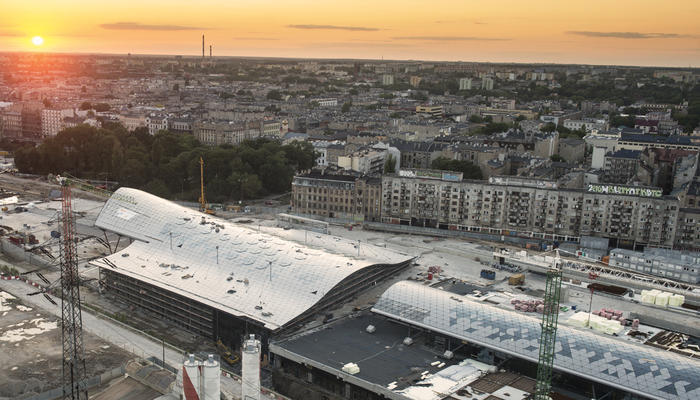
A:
(74, 370)
(202, 199)
(550, 319)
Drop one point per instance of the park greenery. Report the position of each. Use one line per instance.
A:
(167, 164)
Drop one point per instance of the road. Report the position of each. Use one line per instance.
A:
(136, 343)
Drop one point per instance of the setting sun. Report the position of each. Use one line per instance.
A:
(37, 40)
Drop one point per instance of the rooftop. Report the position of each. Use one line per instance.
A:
(624, 153)
(629, 366)
(233, 268)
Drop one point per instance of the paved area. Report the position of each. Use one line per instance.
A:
(131, 341)
(30, 348)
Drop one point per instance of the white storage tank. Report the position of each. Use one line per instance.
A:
(191, 380)
(211, 377)
(250, 361)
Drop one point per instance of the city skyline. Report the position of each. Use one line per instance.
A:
(623, 33)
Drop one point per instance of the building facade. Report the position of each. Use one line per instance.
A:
(430, 111)
(621, 166)
(672, 264)
(465, 84)
(51, 122)
(337, 196)
(11, 124)
(226, 132)
(628, 216)
(156, 123)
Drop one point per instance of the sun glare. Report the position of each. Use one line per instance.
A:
(37, 40)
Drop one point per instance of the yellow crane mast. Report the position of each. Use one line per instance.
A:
(202, 198)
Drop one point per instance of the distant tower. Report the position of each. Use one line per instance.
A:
(202, 46)
(209, 51)
(250, 388)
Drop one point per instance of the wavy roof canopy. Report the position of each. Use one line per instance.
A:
(202, 257)
(632, 367)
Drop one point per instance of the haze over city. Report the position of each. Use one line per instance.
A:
(366, 200)
(593, 32)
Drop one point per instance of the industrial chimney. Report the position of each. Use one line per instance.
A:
(202, 46)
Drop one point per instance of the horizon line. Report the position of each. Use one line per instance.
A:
(337, 59)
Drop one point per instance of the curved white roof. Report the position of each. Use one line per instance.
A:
(632, 367)
(203, 257)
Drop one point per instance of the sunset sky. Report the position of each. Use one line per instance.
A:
(626, 32)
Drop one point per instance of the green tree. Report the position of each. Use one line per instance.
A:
(274, 95)
(102, 107)
(469, 170)
(557, 158)
(549, 127)
(619, 120)
(167, 164)
(85, 106)
(390, 164)
(346, 107)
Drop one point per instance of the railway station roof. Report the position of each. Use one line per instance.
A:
(632, 367)
(231, 267)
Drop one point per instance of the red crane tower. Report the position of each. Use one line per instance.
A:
(74, 371)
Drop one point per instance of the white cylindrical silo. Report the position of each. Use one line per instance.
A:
(191, 379)
(211, 375)
(251, 369)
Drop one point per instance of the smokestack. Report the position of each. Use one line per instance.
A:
(202, 46)
(209, 51)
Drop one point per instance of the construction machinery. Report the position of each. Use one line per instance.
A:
(202, 199)
(226, 354)
(74, 370)
(550, 317)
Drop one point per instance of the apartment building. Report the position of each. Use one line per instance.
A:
(180, 125)
(430, 111)
(364, 161)
(621, 166)
(587, 125)
(225, 132)
(51, 122)
(132, 121)
(628, 216)
(688, 229)
(156, 123)
(11, 123)
(641, 142)
(335, 195)
(329, 102)
(487, 83)
(387, 80)
(465, 84)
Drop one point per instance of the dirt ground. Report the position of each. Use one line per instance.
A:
(30, 350)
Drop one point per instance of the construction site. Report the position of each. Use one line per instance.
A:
(339, 311)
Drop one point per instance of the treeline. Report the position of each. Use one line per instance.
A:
(167, 164)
